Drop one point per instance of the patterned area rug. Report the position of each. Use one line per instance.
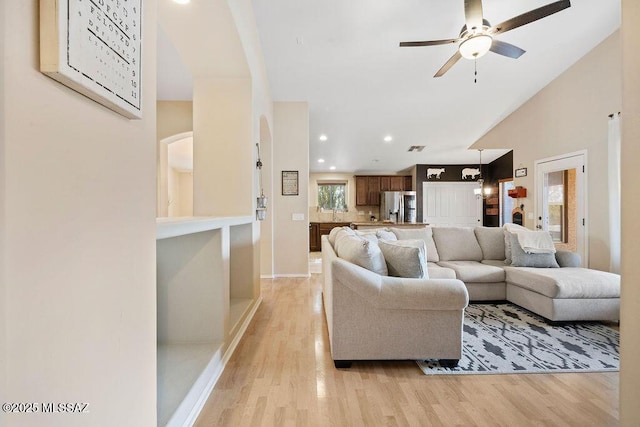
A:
(507, 339)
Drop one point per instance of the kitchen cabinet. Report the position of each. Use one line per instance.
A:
(362, 194)
(373, 188)
(397, 183)
(318, 229)
(385, 183)
(368, 188)
(408, 183)
(314, 237)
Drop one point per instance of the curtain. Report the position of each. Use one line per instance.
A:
(614, 192)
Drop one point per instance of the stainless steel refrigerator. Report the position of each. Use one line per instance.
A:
(398, 206)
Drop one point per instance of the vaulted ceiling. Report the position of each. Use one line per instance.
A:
(343, 58)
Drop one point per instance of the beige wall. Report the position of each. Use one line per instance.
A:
(223, 147)
(78, 240)
(630, 341)
(291, 153)
(568, 115)
(359, 213)
(3, 281)
(173, 117)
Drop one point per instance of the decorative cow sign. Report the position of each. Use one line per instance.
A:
(470, 173)
(434, 173)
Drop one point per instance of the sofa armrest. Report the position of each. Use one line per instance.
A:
(396, 293)
(568, 259)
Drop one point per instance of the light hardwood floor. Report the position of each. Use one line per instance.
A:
(282, 374)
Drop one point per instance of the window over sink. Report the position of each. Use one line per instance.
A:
(332, 195)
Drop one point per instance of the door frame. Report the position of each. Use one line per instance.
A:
(582, 203)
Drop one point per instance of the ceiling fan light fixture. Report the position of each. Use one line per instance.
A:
(475, 46)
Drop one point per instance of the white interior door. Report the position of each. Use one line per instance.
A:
(561, 201)
(451, 203)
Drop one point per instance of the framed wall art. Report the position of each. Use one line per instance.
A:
(95, 48)
(289, 183)
(521, 172)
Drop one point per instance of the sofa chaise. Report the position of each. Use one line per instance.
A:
(367, 309)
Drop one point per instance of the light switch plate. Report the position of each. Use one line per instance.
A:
(297, 217)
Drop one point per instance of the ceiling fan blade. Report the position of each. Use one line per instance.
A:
(528, 17)
(427, 43)
(506, 49)
(473, 13)
(448, 64)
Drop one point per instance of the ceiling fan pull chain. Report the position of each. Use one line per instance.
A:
(475, 72)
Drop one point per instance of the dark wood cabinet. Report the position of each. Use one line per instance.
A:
(408, 183)
(314, 237)
(397, 183)
(362, 194)
(318, 229)
(385, 183)
(373, 188)
(368, 188)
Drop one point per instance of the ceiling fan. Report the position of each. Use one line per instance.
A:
(477, 35)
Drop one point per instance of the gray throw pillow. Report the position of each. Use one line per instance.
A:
(405, 258)
(519, 258)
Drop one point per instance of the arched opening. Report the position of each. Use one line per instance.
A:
(179, 173)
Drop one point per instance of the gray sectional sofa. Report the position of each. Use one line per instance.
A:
(374, 316)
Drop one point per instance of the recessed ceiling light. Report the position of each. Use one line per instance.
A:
(182, 1)
(388, 138)
(332, 168)
(323, 137)
(320, 160)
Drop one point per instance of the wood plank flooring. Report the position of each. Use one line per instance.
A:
(282, 375)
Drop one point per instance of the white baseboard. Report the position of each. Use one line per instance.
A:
(305, 276)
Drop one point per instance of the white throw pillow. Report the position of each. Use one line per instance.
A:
(509, 228)
(338, 231)
(363, 252)
(386, 235)
(405, 258)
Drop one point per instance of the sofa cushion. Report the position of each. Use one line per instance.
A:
(438, 272)
(475, 272)
(361, 251)
(457, 244)
(569, 282)
(425, 234)
(337, 231)
(519, 258)
(405, 258)
(386, 234)
(491, 241)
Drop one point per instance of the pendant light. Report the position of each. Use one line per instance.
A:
(481, 191)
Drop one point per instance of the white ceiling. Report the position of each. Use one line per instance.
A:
(342, 57)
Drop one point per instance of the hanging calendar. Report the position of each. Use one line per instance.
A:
(95, 48)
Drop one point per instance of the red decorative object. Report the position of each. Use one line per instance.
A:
(518, 192)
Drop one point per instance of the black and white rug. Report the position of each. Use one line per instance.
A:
(507, 339)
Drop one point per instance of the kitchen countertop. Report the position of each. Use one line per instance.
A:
(372, 224)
